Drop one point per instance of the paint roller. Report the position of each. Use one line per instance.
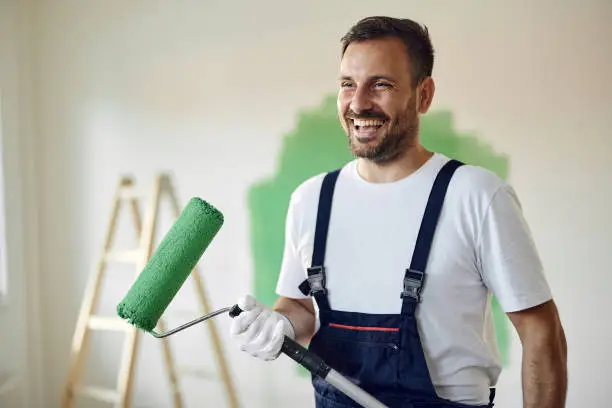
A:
(171, 264)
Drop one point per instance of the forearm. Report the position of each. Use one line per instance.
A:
(545, 371)
(301, 315)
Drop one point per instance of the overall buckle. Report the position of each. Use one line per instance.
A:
(316, 280)
(413, 284)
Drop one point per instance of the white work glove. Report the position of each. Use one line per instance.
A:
(259, 330)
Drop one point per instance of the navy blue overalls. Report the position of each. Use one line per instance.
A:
(382, 353)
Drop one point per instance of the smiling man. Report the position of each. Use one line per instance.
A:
(390, 261)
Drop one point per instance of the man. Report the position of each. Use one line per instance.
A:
(390, 262)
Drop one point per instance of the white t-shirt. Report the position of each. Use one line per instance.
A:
(482, 246)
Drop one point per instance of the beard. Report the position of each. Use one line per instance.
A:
(400, 134)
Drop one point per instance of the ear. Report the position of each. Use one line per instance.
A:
(425, 94)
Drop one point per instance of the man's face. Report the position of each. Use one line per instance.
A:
(377, 105)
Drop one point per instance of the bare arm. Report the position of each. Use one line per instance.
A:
(302, 315)
(544, 367)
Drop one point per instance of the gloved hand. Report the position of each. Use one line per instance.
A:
(259, 330)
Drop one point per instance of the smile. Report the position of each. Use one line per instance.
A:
(366, 130)
(367, 124)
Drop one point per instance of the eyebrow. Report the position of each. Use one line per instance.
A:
(373, 78)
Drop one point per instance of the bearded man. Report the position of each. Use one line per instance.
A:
(390, 262)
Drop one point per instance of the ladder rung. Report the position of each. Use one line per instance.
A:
(126, 256)
(131, 194)
(196, 372)
(107, 323)
(99, 393)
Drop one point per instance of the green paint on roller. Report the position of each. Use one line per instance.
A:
(170, 264)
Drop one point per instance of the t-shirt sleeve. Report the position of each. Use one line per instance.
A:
(508, 258)
(292, 272)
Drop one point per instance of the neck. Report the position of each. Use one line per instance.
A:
(401, 167)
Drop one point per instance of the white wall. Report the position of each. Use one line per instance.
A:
(207, 89)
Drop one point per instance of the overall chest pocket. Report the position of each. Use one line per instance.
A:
(367, 352)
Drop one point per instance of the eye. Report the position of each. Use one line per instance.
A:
(346, 84)
(382, 85)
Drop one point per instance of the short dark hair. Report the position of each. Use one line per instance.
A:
(414, 36)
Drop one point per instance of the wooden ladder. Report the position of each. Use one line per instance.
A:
(87, 321)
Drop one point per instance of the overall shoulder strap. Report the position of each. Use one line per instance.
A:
(314, 285)
(415, 275)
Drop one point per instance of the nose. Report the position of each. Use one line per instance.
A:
(361, 100)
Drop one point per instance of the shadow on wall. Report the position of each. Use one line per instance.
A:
(318, 144)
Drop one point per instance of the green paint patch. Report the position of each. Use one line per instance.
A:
(318, 144)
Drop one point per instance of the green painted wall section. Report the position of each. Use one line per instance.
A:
(318, 144)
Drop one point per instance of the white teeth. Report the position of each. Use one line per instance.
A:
(369, 122)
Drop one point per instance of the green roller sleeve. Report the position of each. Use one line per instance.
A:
(170, 264)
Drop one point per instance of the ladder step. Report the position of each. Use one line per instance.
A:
(129, 194)
(125, 256)
(107, 323)
(196, 372)
(102, 394)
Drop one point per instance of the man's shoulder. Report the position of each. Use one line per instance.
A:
(477, 180)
